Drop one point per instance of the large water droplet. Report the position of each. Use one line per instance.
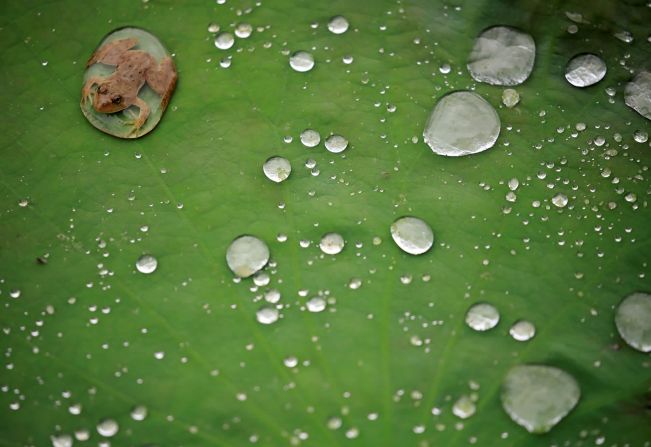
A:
(522, 330)
(267, 315)
(482, 317)
(316, 304)
(560, 200)
(412, 235)
(502, 56)
(637, 94)
(301, 61)
(633, 321)
(147, 264)
(338, 25)
(537, 397)
(331, 243)
(336, 144)
(277, 169)
(464, 407)
(584, 70)
(62, 440)
(243, 30)
(246, 255)
(462, 123)
(310, 138)
(108, 428)
(224, 41)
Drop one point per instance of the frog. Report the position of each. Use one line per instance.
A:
(133, 69)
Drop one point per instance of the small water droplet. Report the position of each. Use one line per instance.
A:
(267, 315)
(316, 304)
(243, 30)
(522, 330)
(560, 200)
(139, 413)
(146, 264)
(338, 25)
(412, 235)
(510, 97)
(108, 428)
(224, 41)
(213, 28)
(482, 317)
(464, 407)
(301, 61)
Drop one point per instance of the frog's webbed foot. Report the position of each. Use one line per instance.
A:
(142, 116)
(85, 91)
(110, 53)
(162, 79)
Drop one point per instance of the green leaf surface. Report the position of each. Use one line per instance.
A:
(87, 325)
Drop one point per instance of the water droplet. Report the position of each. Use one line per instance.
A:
(537, 397)
(334, 423)
(502, 56)
(277, 169)
(584, 70)
(462, 123)
(482, 317)
(338, 25)
(513, 184)
(560, 200)
(272, 296)
(15, 293)
(310, 138)
(637, 94)
(213, 28)
(108, 428)
(290, 362)
(640, 136)
(331, 243)
(522, 330)
(510, 97)
(412, 235)
(336, 144)
(243, 30)
(23, 203)
(464, 407)
(301, 61)
(61, 440)
(224, 41)
(147, 264)
(316, 304)
(246, 255)
(139, 413)
(267, 315)
(355, 283)
(633, 321)
(261, 279)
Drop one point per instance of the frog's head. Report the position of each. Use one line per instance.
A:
(108, 99)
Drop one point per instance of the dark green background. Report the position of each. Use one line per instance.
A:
(565, 270)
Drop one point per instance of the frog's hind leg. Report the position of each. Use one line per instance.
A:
(162, 79)
(142, 115)
(110, 53)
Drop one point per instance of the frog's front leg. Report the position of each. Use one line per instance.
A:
(142, 115)
(85, 92)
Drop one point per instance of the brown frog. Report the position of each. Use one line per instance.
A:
(133, 68)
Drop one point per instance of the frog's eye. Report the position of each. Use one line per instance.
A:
(116, 99)
(102, 90)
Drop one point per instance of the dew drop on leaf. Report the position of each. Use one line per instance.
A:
(146, 264)
(537, 397)
(108, 428)
(502, 56)
(412, 235)
(637, 94)
(331, 243)
(224, 41)
(633, 321)
(338, 25)
(246, 255)
(584, 70)
(310, 138)
(462, 123)
(522, 330)
(316, 304)
(301, 61)
(277, 169)
(139, 413)
(560, 200)
(336, 144)
(464, 407)
(482, 317)
(267, 315)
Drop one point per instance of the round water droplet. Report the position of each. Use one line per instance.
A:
(267, 315)
(482, 317)
(331, 243)
(277, 169)
(290, 362)
(462, 123)
(272, 296)
(224, 41)
(510, 97)
(560, 200)
(310, 138)
(139, 413)
(637, 94)
(316, 304)
(584, 70)
(336, 144)
(502, 56)
(62, 440)
(464, 407)
(147, 264)
(243, 30)
(537, 397)
(640, 136)
(412, 235)
(213, 27)
(633, 321)
(108, 428)
(522, 330)
(338, 25)
(301, 61)
(246, 255)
